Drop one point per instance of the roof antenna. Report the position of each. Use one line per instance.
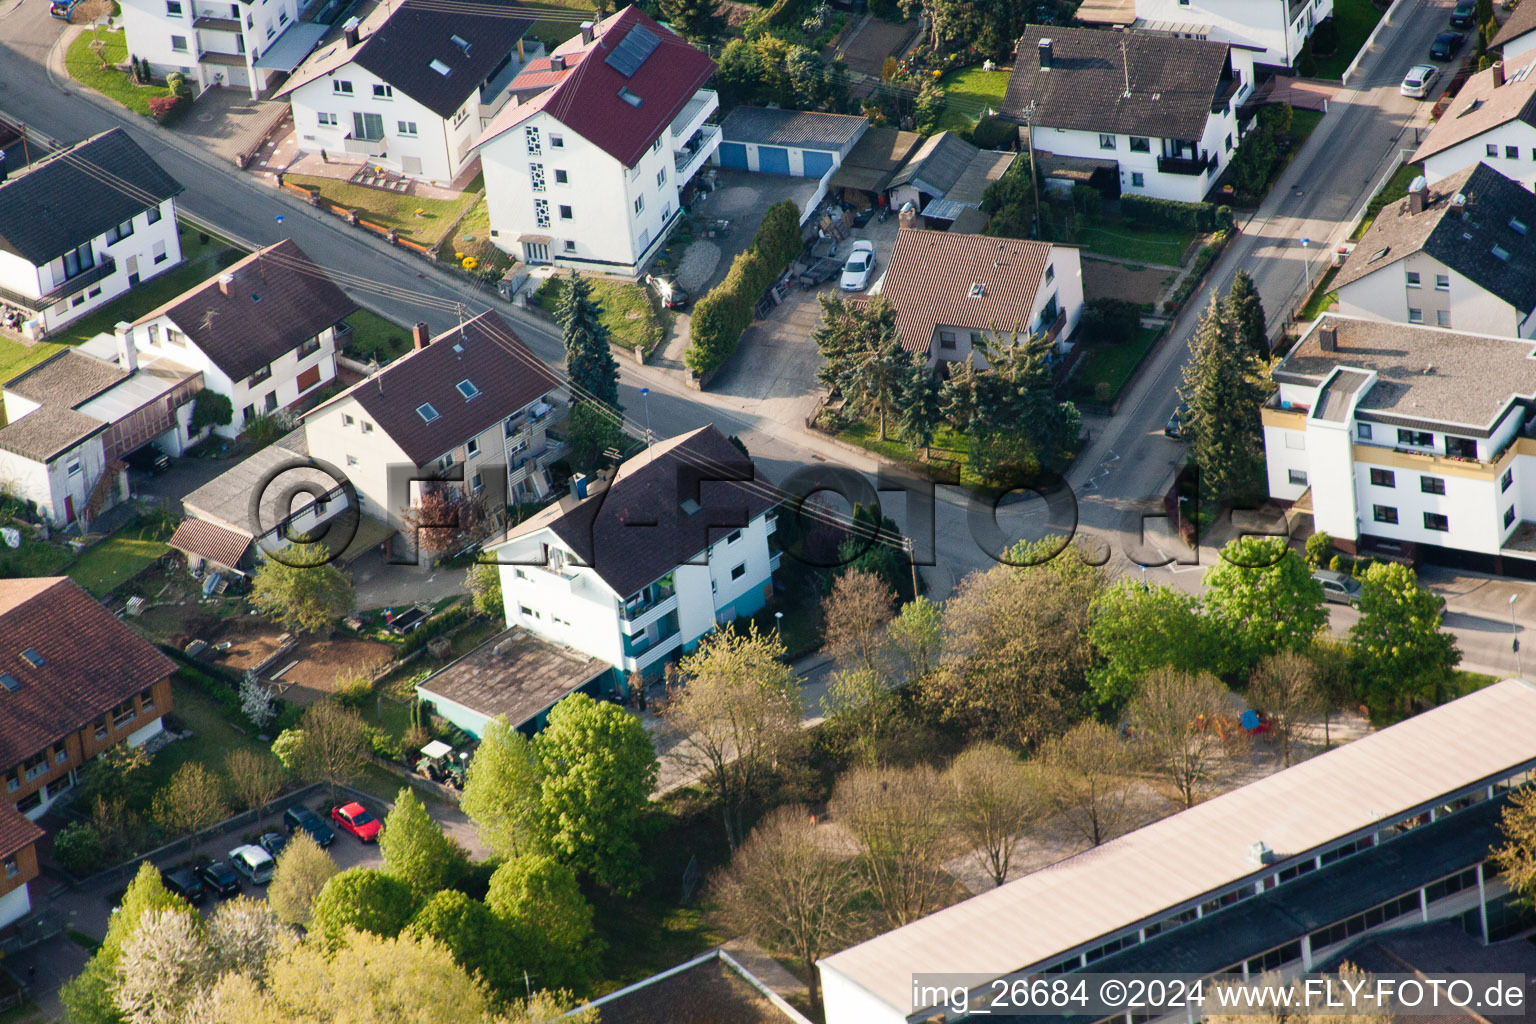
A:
(1125, 64)
(459, 308)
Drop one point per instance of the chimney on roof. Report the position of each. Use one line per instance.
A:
(1046, 56)
(127, 355)
(1498, 73)
(586, 33)
(557, 63)
(419, 336)
(349, 31)
(226, 284)
(1418, 194)
(1328, 338)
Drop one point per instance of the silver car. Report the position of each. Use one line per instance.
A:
(1338, 586)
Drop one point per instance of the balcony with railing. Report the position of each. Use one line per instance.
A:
(1184, 164)
(215, 18)
(363, 147)
(648, 598)
(695, 152)
(704, 103)
(221, 58)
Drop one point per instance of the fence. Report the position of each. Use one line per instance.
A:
(390, 235)
(1370, 40)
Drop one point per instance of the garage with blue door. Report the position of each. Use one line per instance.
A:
(797, 143)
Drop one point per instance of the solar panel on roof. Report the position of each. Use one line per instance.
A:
(632, 51)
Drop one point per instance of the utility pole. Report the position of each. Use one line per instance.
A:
(1034, 182)
(912, 562)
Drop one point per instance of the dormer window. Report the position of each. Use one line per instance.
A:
(427, 412)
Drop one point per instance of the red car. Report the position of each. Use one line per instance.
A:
(354, 818)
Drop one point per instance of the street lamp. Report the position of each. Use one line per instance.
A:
(1306, 263)
(645, 396)
(1514, 642)
(778, 623)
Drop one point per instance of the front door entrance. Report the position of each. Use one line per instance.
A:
(536, 252)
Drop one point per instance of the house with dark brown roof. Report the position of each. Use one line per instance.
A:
(473, 404)
(411, 85)
(73, 418)
(952, 292)
(74, 681)
(262, 332)
(1458, 253)
(1492, 118)
(1129, 112)
(635, 570)
(586, 166)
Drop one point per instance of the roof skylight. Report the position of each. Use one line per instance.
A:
(426, 412)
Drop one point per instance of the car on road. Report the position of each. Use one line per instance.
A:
(1338, 586)
(221, 878)
(1419, 80)
(1447, 45)
(149, 460)
(253, 862)
(1465, 14)
(296, 818)
(184, 882)
(858, 267)
(671, 294)
(273, 842)
(1174, 428)
(354, 817)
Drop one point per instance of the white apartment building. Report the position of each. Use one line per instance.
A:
(69, 245)
(951, 291)
(1281, 875)
(474, 400)
(214, 43)
(1275, 30)
(262, 332)
(1517, 36)
(586, 167)
(410, 87)
(635, 572)
(1458, 254)
(1492, 119)
(1133, 112)
(1408, 440)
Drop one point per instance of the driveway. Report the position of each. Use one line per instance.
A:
(227, 122)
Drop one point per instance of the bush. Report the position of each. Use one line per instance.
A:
(166, 109)
(78, 848)
(995, 133)
(435, 627)
(1325, 38)
(383, 744)
(1166, 213)
(1110, 321)
(1319, 549)
(720, 317)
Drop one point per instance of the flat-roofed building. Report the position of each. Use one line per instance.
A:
(1279, 875)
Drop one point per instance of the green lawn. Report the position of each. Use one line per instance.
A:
(374, 337)
(1113, 365)
(118, 558)
(1165, 246)
(628, 311)
(213, 737)
(85, 67)
(1355, 20)
(33, 558)
(1395, 188)
(391, 210)
(473, 238)
(200, 261)
(1321, 298)
(971, 91)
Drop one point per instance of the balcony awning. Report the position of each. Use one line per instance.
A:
(289, 49)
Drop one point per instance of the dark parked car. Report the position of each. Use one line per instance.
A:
(671, 294)
(297, 818)
(149, 460)
(1447, 45)
(273, 843)
(184, 882)
(1175, 426)
(1465, 14)
(221, 878)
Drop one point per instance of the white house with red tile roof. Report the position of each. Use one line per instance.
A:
(951, 290)
(586, 166)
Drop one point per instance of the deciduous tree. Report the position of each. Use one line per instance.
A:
(445, 518)
(483, 581)
(255, 777)
(1086, 776)
(361, 899)
(416, 850)
(373, 978)
(1176, 717)
(1401, 652)
(301, 588)
(479, 940)
(855, 614)
(1516, 858)
(301, 872)
(334, 748)
(598, 768)
(787, 890)
(904, 827)
(736, 714)
(914, 638)
(191, 801)
(1262, 600)
(699, 20)
(502, 792)
(994, 799)
(1135, 629)
(861, 713)
(589, 362)
(1284, 686)
(245, 935)
(549, 921)
(164, 963)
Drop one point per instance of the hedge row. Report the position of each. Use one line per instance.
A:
(1166, 213)
(720, 317)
